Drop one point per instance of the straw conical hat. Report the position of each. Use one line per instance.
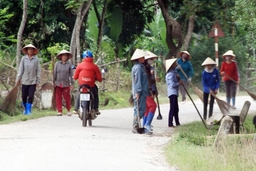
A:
(208, 61)
(229, 53)
(150, 55)
(186, 52)
(64, 52)
(169, 63)
(24, 49)
(138, 54)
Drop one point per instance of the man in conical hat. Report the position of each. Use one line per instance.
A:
(139, 86)
(229, 69)
(211, 83)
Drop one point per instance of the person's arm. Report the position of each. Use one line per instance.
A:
(191, 70)
(137, 81)
(76, 75)
(98, 74)
(38, 74)
(55, 73)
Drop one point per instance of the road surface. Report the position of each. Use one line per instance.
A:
(62, 144)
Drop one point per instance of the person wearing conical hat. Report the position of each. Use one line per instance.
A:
(28, 76)
(211, 83)
(186, 66)
(63, 81)
(139, 86)
(173, 81)
(150, 102)
(228, 69)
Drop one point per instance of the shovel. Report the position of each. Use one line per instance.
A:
(139, 129)
(159, 117)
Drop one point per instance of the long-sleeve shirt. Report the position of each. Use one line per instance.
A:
(230, 69)
(172, 83)
(29, 71)
(139, 80)
(187, 68)
(210, 80)
(63, 74)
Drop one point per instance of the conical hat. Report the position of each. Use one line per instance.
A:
(150, 55)
(138, 54)
(229, 53)
(169, 63)
(208, 61)
(64, 52)
(24, 49)
(186, 52)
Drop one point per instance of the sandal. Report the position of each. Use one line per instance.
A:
(59, 114)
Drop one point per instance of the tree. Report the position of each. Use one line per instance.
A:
(20, 32)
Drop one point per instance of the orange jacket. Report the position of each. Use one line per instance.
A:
(87, 73)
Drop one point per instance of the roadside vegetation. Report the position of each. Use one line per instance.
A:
(191, 148)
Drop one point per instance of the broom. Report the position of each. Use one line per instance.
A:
(224, 106)
(8, 105)
(250, 93)
(196, 90)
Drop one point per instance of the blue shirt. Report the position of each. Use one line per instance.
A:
(172, 83)
(187, 68)
(139, 80)
(210, 80)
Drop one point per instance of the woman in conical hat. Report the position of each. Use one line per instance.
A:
(63, 80)
(229, 69)
(28, 76)
(186, 66)
(173, 83)
(211, 83)
(139, 86)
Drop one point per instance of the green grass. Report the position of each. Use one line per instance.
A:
(191, 148)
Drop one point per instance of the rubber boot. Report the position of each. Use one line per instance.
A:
(148, 123)
(25, 108)
(145, 120)
(28, 108)
(233, 101)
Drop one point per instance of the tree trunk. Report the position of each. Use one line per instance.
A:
(173, 31)
(101, 24)
(189, 32)
(75, 39)
(20, 32)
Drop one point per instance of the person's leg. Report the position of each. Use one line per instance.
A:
(24, 96)
(96, 98)
(146, 112)
(185, 83)
(59, 99)
(211, 105)
(151, 112)
(171, 111)
(77, 105)
(176, 110)
(66, 96)
(31, 94)
(205, 99)
(228, 95)
(182, 92)
(233, 93)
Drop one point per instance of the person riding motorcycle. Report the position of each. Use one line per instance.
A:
(87, 73)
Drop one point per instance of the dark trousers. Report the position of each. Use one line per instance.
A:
(230, 88)
(174, 110)
(28, 92)
(96, 98)
(206, 96)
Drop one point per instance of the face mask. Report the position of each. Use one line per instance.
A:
(184, 56)
(227, 58)
(150, 62)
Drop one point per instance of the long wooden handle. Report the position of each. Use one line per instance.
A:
(195, 106)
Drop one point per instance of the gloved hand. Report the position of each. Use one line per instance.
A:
(178, 67)
(189, 79)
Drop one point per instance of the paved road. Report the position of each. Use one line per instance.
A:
(61, 143)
